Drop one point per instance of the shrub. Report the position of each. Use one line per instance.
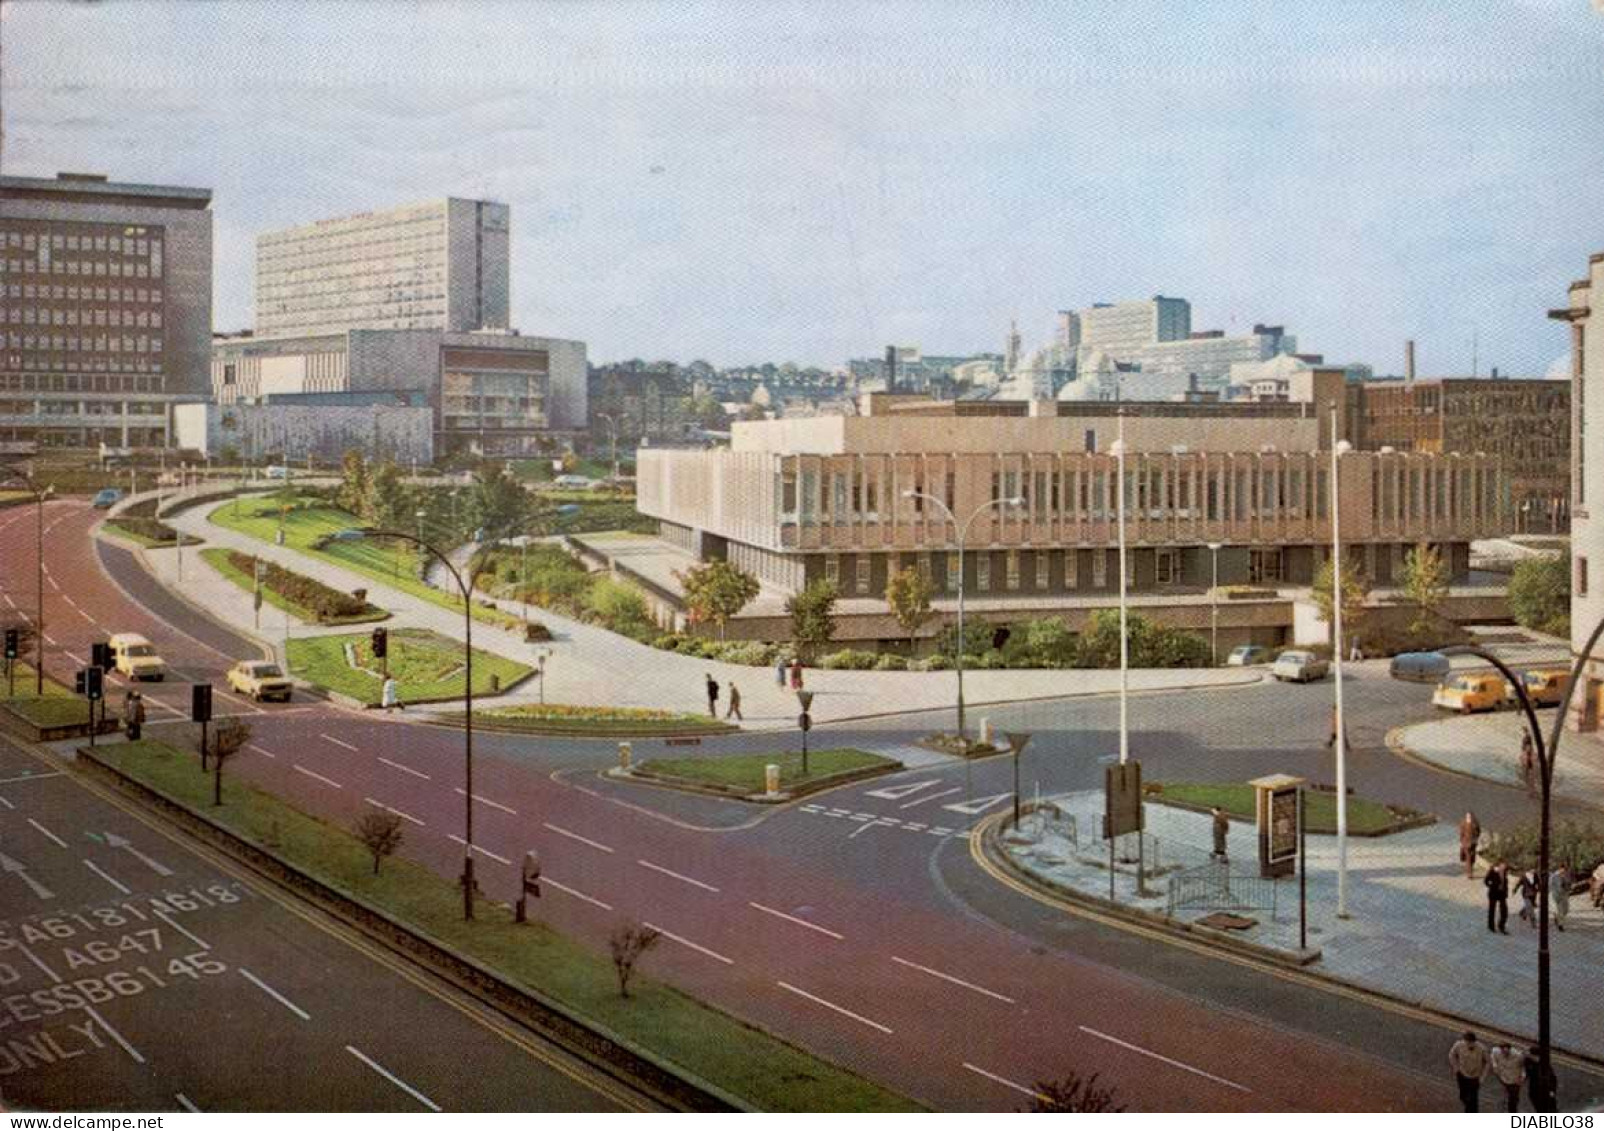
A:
(991, 659)
(1540, 594)
(324, 602)
(616, 604)
(1579, 846)
(1050, 642)
(150, 528)
(891, 662)
(936, 663)
(1151, 645)
(849, 660)
(754, 653)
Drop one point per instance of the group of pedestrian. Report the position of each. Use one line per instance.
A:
(788, 669)
(1497, 883)
(734, 711)
(133, 714)
(1472, 1062)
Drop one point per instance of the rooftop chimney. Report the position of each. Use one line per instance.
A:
(891, 369)
(1409, 360)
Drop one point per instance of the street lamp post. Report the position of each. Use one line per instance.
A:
(1124, 612)
(39, 498)
(468, 884)
(523, 591)
(544, 657)
(962, 532)
(1017, 741)
(1340, 743)
(1214, 602)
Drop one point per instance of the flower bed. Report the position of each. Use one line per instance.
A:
(600, 721)
(305, 597)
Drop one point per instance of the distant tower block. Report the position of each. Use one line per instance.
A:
(1011, 356)
(1409, 360)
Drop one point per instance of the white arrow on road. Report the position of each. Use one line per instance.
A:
(115, 841)
(20, 870)
(898, 792)
(978, 805)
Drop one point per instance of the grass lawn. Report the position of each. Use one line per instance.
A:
(426, 666)
(1320, 808)
(218, 560)
(745, 771)
(637, 722)
(765, 1071)
(396, 567)
(57, 707)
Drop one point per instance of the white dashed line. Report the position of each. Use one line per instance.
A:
(694, 946)
(481, 850)
(263, 751)
(196, 939)
(336, 741)
(1005, 1082)
(560, 831)
(955, 981)
(327, 781)
(391, 809)
(839, 1009)
(576, 893)
(396, 1080)
(1164, 1059)
(405, 769)
(794, 919)
(114, 1034)
(274, 994)
(61, 843)
(185, 1102)
(932, 797)
(116, 883)
(676, 875)
(487, 801)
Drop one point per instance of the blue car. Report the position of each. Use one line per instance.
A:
(107, 497)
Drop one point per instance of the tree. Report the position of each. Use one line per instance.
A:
(388, 505)
(1050, 641)
(228, 739)
(354, 483)
(813, 615)
(1425, 583)
(1540, 594)
(629, 941)
(498, 502)
(1355, 591)
(1076, 1093)
(381, 834)
(908, 594)
(716, 591)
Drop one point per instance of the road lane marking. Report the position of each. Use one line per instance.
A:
(794, 919)
(185, 1102)
(1164, 1059)
(575, 893)
(867, 825)
(560, 831)
(932, 797)
(689, 943)
(399, 813)
(34, 958)
(396, 1080)
(61, 843)
(480, 849)
(405, 769)
(196, 939)
(118, 884)
(274, 994)
(319, 777)
(338, 742)
(676, 875)
(6, 803)
(263, 751)
(74, 657)
(114, 1034)
(50, 640)
(1007, 1083)
(31, 777)
(898, 792)
(955, 981)
(487, 801)
(839, 1009)
(67, 597)
(20, 870)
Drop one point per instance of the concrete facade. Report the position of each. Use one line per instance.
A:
(105, 308)
(1117, 328)
(439, 265)
(296, 431)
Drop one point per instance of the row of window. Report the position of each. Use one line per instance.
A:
(115, 317)
(60, 363)
(1265, 566)
(89, 343)
(67, 293)
(80, 408)
(86, 268)
(135, 244)
(81, 382)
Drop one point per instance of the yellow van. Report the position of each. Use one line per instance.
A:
(1545, 687)
(1472, 691)
(136, 657)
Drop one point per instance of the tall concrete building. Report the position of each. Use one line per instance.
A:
(107, 308)
(1587, 483)
(440, 265)
(1118, 328)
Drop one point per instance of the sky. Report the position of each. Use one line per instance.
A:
(766, 181)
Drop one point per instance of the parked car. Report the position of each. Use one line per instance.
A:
(260, 679)
(274, 471)
(1246, 655)
(1297, 666)
(136, 658)
(1544, 686)
(106, 498)
(1420, 667)
(1470, 691)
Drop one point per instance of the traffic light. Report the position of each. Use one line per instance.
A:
(11, 644)
(80, 681)
(94, 683)
(381, 643)
(100, 656)
(200, 703)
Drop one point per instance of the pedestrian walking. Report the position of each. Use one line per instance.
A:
(133, 715)
(780, 667)
(796, 673)
(390, 695)
(1526, 888)
(1497, 884)
(1528, 762)
(1355, 654)
(1222, 830)
(735, 704)
(1469, 838)
(1468, 1059)
(1559, 890)
(712, 695)
(1509, 1065)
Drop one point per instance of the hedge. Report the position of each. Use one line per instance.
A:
(323, 601)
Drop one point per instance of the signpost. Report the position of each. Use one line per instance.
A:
(200, 711)
(531, 884)
(1276, 810)
(1122, 813)
(804, 722)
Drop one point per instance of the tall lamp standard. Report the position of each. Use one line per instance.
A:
(962, 531)
(468, 884)
(39, 499)
(1339, 448)
(1124, 612)
(1214, 602)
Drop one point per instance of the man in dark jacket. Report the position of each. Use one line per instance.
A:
(1497, 882)
(712, 695)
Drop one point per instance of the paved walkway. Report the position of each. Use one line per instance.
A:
(1488, 747)
(1417, 927)
(588, 664)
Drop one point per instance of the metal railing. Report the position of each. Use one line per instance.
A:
(1214, 887)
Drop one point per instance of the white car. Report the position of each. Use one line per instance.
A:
(1296, 666)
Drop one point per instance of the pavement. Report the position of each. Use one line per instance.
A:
(1488, 747)
(584, 657)
(1416, 927)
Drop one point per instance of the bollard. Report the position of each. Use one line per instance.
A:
(624, 753)
(495, 683)
(771, 779)
(985, 732)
